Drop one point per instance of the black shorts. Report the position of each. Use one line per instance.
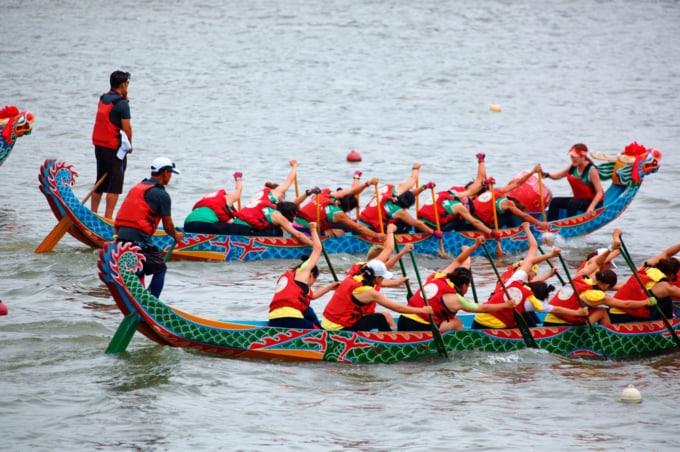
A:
(109, 164)
(406, 324)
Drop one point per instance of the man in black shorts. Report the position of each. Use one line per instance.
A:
(146, 205)
(113, 119)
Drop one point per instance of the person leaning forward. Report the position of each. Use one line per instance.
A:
(112, 133)
(146, 205)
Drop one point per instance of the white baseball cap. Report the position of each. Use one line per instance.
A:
(379, 269)
(163, 163)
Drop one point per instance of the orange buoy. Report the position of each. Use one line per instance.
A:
(353, 156)
(3, 308)
(495, 108)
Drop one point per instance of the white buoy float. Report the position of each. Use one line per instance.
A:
(631, 395)
(495, 108)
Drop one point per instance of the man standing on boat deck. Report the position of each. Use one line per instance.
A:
(146, 205)
(112, 138)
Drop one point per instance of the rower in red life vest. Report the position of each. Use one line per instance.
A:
(445, 292)
(394, 202)
(453, 206)
(329, 209)
(590, 284)
(268, 211)
(584, 179)
(383, 253)
(290, 305)
(659, 274)
(508, 210)
(344, 310)
(528, 296)
(212, 213)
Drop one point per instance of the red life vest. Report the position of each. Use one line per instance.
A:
(580, 184)
(253, 213)
(370, 213)
(105, 133)
(136, 213)
(217, 202)
(426, 212)
(436, 286)
(631, 290)
(342, 308)
(581, 284)
(507, 316)
(308, 211)
(289, 294)
(483, 209)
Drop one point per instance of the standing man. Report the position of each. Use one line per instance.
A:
(113, 120)
(146, 205)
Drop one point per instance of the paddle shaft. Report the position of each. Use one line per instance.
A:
(499, 248)
(64, 224)
(591, 328)
(436, 334)
(323, 250)
(552, 266)
(377, 201)
(627, 258)
(169, 252)
(521, 324)
(540, 195)
(436, 220)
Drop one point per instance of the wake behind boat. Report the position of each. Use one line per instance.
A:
(626, 173)
(167, 325)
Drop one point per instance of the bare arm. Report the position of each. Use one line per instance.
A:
(281, 189)
(516, 183)
(357, 188)
(463, 257)
(279, 220)
(404, 216)
(302, 273)
(467, 216)
(342, 217)
(170, 229)
(509, 205)
(670, 252)
(325, 289)
(597, 185)
(373, 295)
(401, 188)
(559, 174)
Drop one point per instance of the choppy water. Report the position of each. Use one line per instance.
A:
(225, 86)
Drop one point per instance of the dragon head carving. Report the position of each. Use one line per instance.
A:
(631, 165)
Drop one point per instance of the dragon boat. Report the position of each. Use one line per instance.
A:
(168, 325)
(13, 124)
(626, 172)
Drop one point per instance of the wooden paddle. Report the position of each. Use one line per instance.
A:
(436, 334)
(521, 324)
(591, 328)
(540, 195)
(627, 258)
(323, 250)
(64, 224)
(436, 219)
(380, 218)
(499, 248)
(124, 333)
(550, 264)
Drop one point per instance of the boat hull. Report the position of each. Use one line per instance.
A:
(57, 177)
(167, 325)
